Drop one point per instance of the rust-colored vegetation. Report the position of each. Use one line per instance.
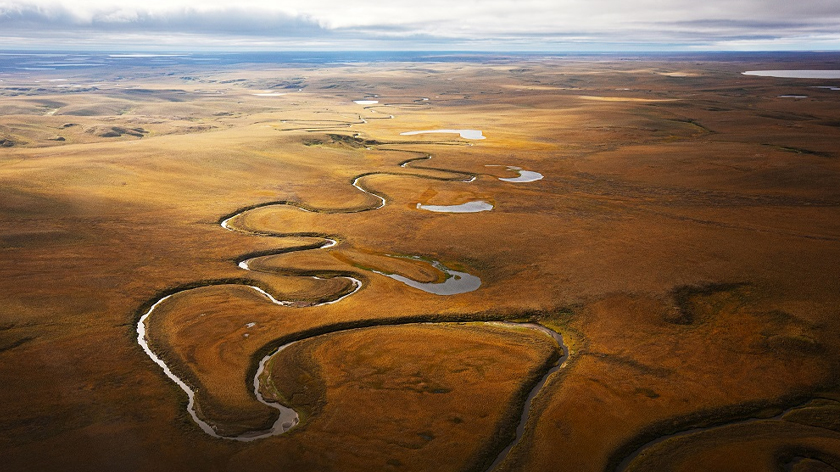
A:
(684, 240)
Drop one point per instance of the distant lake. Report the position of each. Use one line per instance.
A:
(796, 74)
(465, 133)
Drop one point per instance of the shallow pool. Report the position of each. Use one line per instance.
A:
(465, 133)
(469, 207)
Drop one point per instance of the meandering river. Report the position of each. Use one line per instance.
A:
(454, 283)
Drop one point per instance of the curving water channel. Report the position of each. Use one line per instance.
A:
(520, 429)
(288, 418)
(454, 282)
(535, 390)
(651, 445)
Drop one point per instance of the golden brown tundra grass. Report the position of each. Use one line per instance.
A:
(684, 240)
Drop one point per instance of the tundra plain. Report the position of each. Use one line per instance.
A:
(684, 240)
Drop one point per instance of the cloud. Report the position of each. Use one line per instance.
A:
(228, 20)
(499, 24)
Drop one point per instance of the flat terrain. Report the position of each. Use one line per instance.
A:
(684, 240)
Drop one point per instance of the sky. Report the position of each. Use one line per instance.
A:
(439, 25)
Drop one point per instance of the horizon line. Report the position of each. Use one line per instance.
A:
(161, 51)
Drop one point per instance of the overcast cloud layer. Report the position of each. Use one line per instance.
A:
(560, 25)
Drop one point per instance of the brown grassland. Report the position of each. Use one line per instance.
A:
(685, 241)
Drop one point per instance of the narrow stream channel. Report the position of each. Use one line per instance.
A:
(455, 282)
